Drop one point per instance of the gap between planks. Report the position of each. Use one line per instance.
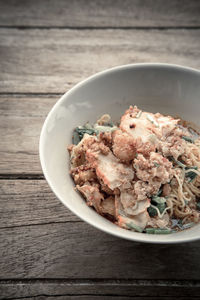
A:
(109, 288)
(101, 27)
(104, 281)
(22, 176)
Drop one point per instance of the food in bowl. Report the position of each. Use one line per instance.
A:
(142, 174)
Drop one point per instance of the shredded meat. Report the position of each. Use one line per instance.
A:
(172, 146)
(83, 174)
(155, 169)
(106, 138)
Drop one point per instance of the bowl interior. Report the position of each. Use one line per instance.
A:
(166, 89)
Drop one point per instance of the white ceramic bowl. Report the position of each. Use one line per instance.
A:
(168, 89)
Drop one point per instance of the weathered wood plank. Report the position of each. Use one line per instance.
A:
(148, 288)
(52, 61)
(25, 202)
(80, 13)
(77, 250)
(96, 297)
(20, 125)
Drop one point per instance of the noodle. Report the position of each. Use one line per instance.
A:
(184, 191)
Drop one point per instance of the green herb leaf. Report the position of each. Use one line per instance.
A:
(188, 225)
(75, 138)
(152, 211)
(188, 139)
(161, 207)
(158, 199)
(159, 192)
(198, 205)
(88, 126)
(175, 222)
(194, 168)
(191, 176)
(82, 130)
(160, 203)
(177, 162)
(158, 230)
(109, 124)
(131, 225)
(156, 164)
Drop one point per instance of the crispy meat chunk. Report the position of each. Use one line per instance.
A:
(123, 146)
(109, 169)
(92, 195)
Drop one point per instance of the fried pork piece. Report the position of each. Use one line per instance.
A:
(105, 188)
(131, 221)
(124, 146)
(108, 206)
(77, 152)
(135, 200)
(131, 205)
(88, 142)
(140, 221)
(137, 127)
(92, 195)
(96, 199)
(146, 128)
(156, 169)
(109, 169)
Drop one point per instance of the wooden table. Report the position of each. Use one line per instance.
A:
(46, 47)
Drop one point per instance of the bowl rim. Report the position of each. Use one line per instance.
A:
(61, 100)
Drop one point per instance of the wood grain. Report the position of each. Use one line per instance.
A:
(115, 13)
(61, 248)
(96, 297)
(25, 202)
(103, 288)
(20, 125)
(52, 61)
(77, 250)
